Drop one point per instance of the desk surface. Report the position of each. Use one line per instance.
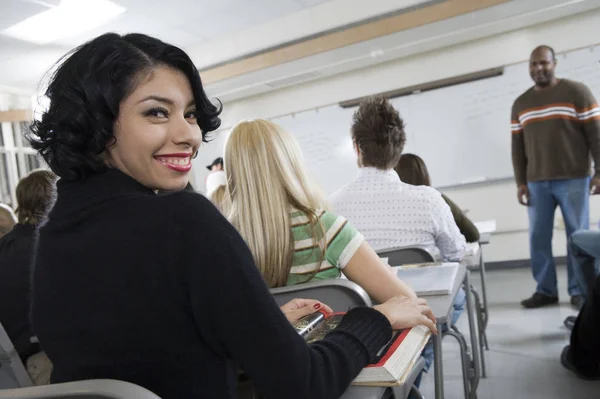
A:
(441, 305)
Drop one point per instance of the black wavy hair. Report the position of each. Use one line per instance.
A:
(87, 89)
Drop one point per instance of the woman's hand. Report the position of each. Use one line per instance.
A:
(403, 312)
(298, 308)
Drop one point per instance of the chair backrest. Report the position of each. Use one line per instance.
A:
(403, 255)
(339, 294)
(12, 371)
(90, 389)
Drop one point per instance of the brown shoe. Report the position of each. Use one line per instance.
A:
(538, 300)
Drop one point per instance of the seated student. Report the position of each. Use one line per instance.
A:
(387, 211)
(582, 356)
(35, 195)
(412, 170)
(284, 218)
(160, 290)
(7, 219)
(584, 246)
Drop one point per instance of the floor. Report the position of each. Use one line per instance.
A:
(525, 345)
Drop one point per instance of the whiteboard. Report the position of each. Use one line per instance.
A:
(462, 132)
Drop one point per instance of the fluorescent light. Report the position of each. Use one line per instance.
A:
(70, 18)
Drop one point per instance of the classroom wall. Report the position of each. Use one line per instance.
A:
(14, 101)
(495, 201)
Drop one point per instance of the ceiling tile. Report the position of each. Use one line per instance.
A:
(241, 17)
(12, 48)
(14, 11)
(179, 12)
(30, 67)
(311, 3)
(131, 23)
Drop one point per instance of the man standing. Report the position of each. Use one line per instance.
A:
(555, 127)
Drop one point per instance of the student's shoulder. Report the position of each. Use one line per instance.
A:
(425, 192)
(427, 196)
(183, 198)
(340, 195)
(189, 205)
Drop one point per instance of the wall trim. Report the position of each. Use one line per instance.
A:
(346, 37)
(518, 264)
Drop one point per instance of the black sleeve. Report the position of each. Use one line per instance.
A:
(237, 316)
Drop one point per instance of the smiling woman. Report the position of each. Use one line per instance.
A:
(155, 94)
(160, 290)
(156, 136)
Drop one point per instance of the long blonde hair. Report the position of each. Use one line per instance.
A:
(220, 199)
(266, 181)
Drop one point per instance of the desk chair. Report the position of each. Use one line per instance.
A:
(13, 373)
(406, 255)
(88, 389)
(340, 295)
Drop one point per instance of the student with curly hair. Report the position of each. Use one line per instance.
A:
(389, 212)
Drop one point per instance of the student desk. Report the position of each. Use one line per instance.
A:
(441, 306)
(400, 391)
(486, 229)
(474, 261)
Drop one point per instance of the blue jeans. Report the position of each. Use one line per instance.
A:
(572, 196)
(585, 247)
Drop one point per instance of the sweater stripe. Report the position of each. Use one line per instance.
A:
(555, 111)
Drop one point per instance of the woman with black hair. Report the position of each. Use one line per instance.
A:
(160, 290)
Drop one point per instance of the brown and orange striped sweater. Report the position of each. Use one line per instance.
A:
(554, 132)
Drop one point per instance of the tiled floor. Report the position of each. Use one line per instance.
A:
(525, 345)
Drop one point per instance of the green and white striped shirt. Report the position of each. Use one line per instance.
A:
(342, 242)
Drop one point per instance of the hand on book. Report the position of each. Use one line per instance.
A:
(298, 308)
(403, 312)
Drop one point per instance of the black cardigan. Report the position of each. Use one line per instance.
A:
(16, 256)
(161, 291)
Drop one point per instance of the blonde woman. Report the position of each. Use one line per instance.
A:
(284, 219)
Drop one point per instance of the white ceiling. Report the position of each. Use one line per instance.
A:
(181, 22)
(495, 20)
(216, 30)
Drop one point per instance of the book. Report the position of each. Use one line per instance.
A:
(393, 362)
(429, 280)
(417, 265)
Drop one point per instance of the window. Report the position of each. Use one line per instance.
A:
(17, 159)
